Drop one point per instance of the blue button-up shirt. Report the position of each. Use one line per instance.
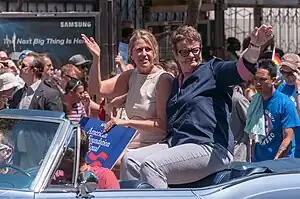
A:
(199, 110)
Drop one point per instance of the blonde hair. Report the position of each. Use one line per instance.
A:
(148, 38)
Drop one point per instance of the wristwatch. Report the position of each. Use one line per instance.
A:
(298, 92)
(255, 46)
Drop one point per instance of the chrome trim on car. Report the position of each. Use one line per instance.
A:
(76, 165)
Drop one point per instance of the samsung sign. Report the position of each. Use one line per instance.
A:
(59, 36)
(75, 24)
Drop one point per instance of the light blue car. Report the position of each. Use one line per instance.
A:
(36, 141)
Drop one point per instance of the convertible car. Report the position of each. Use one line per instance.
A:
(37, 141)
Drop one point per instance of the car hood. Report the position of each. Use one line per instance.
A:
(4, 193)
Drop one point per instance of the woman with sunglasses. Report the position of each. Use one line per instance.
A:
(147, 87)
(74, 99)
(200, 141)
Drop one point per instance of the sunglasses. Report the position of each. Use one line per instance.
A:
(4, 64)
(186, 52)
(68, 76)
(24, 67)
(78, 83)
(4, 147)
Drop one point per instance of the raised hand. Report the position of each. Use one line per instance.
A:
(91, 45)
(261, 35)
(119, 60)
(86, 99)
(297, 77)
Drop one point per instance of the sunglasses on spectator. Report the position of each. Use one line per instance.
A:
(24, 67)
(68, 76)
(4, 58)
(78, 83)
(85, 65)
(4, 147)
(186, 52)
(4, 64)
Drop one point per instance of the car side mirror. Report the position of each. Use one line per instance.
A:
(88, 183)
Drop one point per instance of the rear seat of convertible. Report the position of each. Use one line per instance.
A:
(235, 171)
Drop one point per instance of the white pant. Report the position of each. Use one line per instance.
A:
(160, 165)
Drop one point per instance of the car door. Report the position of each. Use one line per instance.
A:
(68, 191)
(120, 194)
(64, 189)
(144, 194)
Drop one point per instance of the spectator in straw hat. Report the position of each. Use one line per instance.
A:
(290, 69)
(8, 84)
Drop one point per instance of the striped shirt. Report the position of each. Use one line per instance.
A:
(76, 113)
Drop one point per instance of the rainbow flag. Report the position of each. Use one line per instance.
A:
(276, 60)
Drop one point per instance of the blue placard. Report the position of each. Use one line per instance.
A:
(105, 148)
(123, 50)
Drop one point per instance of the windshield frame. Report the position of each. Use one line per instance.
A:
(52, 155)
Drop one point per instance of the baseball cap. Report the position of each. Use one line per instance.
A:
(79, 60)
(8, 81)
(291, 60)
(24, 53)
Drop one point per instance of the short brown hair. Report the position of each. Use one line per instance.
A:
(37, 64)
(187, 33)
(170, 66)
(68, 68)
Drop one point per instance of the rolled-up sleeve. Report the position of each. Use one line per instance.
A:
(230, 73)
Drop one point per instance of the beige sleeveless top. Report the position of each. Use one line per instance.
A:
(141, 105)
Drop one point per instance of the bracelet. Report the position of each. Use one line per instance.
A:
(251, 44)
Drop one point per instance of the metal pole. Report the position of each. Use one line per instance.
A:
(111, 43)
(103, 40)
(219, 29)
(257, 16)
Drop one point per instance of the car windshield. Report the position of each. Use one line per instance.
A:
(23, 147)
